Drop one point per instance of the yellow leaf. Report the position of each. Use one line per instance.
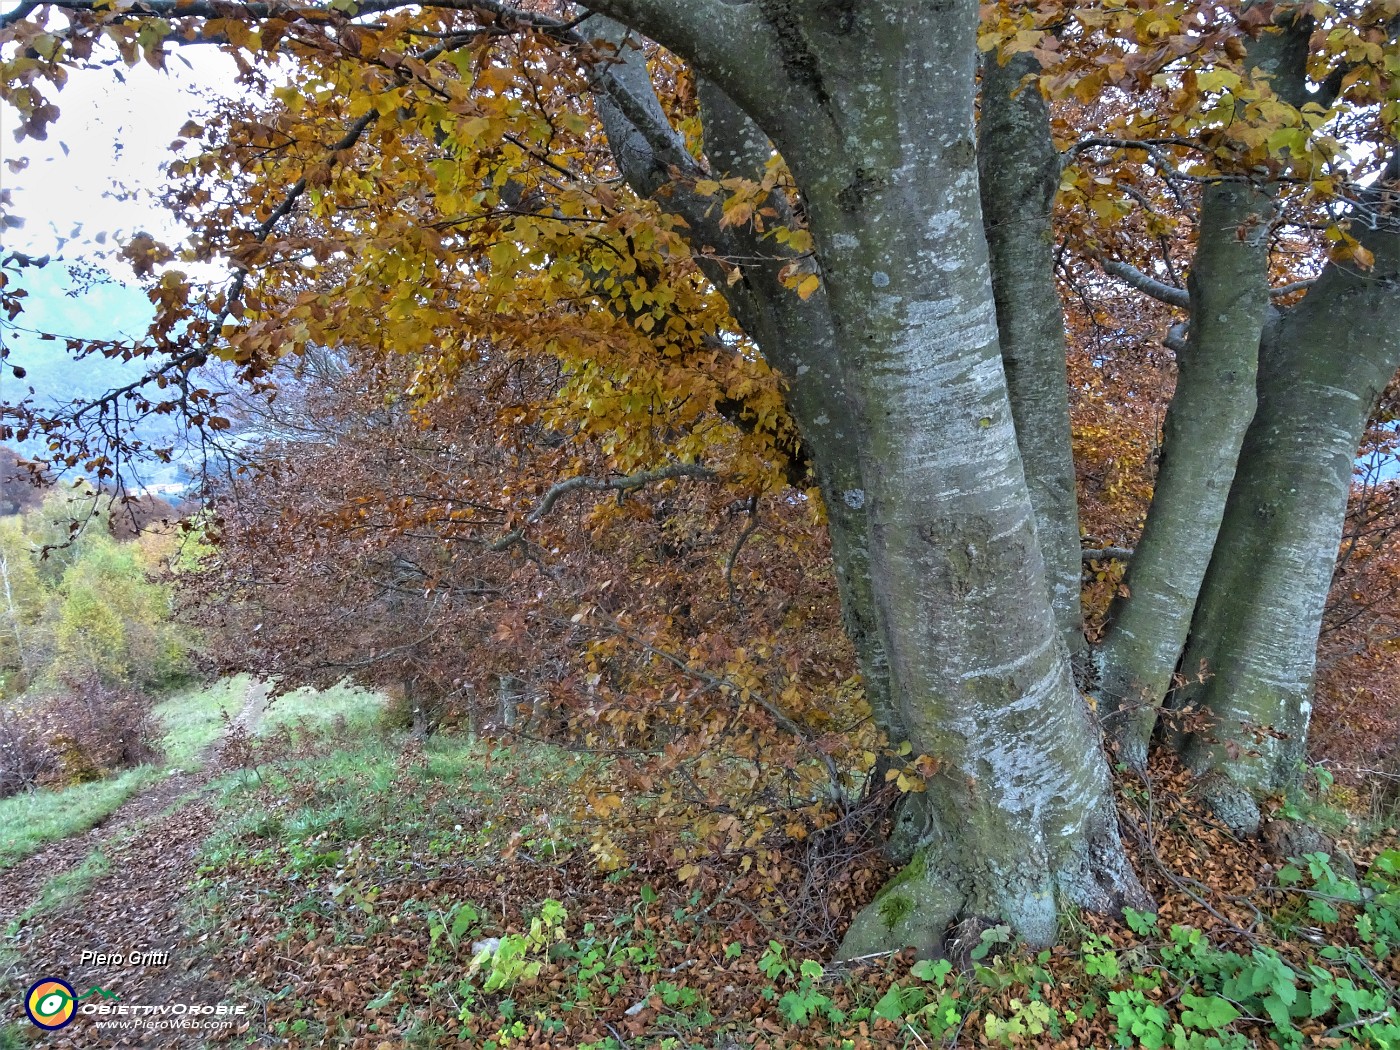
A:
(688, 872)
(808, 286)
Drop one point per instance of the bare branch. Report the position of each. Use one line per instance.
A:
(629, 483)
(1107, 554)
(1285, 290)
(752, 507)
(196, 356)
(1158, 290)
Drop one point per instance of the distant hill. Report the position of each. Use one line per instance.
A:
(68, 304)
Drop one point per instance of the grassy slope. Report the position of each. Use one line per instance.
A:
(192, 720)
(29, 821)
(319, 710)
(352, 875)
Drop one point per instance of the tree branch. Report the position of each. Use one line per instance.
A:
(752, 508)
(1107, 554)
(723, 40)
(1285, 290)
(1134, 277)
(196, 356)
(623, 484)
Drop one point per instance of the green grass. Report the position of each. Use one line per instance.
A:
(193, 718)
(320, 709)
(12, 1037)
(362, 789)
(68, 886)
(30, 820)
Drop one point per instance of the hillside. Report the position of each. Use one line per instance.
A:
(329, 883)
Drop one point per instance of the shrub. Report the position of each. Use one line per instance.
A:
(83, 730)
(25, 758)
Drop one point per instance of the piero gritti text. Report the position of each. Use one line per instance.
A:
(135, 958)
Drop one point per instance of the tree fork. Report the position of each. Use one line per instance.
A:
(1255, 629)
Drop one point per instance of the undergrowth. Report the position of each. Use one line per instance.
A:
(445, 895)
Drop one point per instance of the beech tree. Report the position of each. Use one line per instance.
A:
(805, 182)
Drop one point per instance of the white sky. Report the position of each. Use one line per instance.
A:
(117, 125)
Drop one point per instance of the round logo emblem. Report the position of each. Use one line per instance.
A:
(51, 1003)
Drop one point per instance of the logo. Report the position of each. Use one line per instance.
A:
(51, 1003)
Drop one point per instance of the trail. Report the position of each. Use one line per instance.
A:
(140, 904)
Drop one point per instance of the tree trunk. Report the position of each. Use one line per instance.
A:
(473, 712)
(1020, 814)
(508, 701)
(1205, 426)
(794, 335)
(1255, 631)
(1020, 172)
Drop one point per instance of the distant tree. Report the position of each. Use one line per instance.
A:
(21, 489)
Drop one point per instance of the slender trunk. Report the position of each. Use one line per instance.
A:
(12, 612)
(794, 335)
(473, 712)
(1254, 635)
(1205, 426)
(508, 701)
(1020, 172)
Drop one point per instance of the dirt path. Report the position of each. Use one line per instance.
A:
(139, 905)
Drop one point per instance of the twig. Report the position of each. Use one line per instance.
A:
(1103, 553)
(621, 485)
(616, 1035)
(738, 546)
(1357, 1023)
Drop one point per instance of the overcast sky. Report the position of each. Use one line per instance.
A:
(89, 186)
(116, 130)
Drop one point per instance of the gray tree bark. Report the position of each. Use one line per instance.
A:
(1205, 426)
(1020, 172)
(1323, 365)
(1020, 815)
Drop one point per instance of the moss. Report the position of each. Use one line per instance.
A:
(915, 869)
(894, 907)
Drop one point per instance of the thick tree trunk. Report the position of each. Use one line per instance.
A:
(1020, 172)
(1020, 814)
(1205, 426)
(1256, 625)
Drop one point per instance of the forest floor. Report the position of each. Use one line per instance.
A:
(346, 887)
